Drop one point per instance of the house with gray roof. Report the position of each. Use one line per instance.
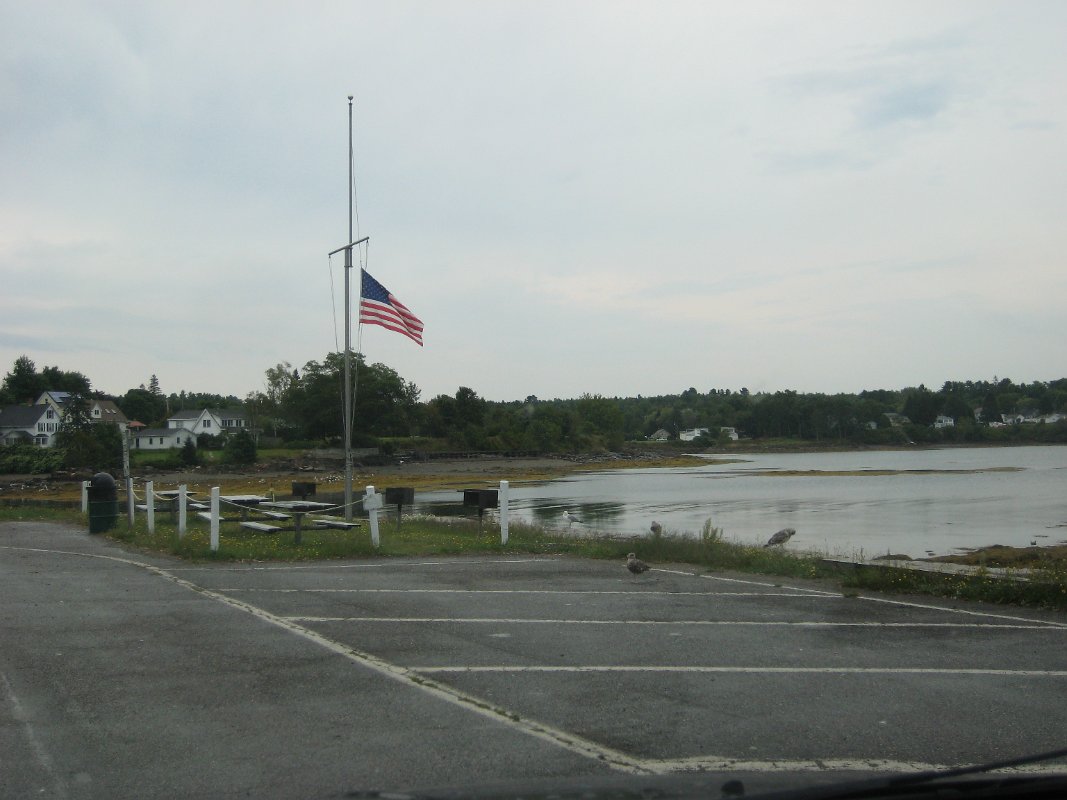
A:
(213, 421)
(29, 425)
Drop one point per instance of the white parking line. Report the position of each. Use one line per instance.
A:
(531, 591)
(1022, 673)
(375, 565)
(679, 622)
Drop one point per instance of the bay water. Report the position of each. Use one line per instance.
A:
(847, 504)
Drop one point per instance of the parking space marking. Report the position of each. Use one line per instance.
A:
(679, 622)
(376, 565)
(532, 591)
(571, 742)
(417, 677)
(1023, 673)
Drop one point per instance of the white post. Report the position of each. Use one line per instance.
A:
(85, 496)
(371, 503)
(130, 500)
(503, 503)
(182, 510)
(214, 519)
(150, 504)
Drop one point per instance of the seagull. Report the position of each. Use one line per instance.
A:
(635, 565)
(570, 518)
(781, 537)
(656, 528)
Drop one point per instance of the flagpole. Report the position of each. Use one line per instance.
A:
(348, 333)
(349, 405)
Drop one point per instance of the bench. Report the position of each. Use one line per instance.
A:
(206, 515)
(198, 506)
(142, 506)
(274, 515)
(330, 522)
(260, 527)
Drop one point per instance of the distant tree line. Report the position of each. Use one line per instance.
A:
(303, 407)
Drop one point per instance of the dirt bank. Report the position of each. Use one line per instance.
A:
(421, 475)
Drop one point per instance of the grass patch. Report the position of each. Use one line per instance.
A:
(1043, 588)
(427, 536)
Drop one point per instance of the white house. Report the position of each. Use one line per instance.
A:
(161, 438)
(731, 433)
(690, 434)
(943, 421)
(29, 424)
(213, 421)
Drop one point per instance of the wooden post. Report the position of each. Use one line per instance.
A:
(214, 519)
(150, 505)
(503, 503)
(130, 501)
(182, 509)
(371, 504)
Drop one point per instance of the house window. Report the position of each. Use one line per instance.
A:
(207, 423)
(96, 412)
(51, 414)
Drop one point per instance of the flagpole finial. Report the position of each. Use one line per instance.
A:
(350, 98)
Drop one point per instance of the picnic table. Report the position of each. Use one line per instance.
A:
(299, 509)
(244, 501)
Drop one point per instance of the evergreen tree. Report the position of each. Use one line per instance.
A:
(241, 448)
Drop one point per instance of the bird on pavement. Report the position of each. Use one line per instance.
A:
(635, 565)
(781, 537)
(656, 528)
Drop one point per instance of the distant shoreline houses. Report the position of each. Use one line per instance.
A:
(185, 425)
(893, 419)
(39, 423)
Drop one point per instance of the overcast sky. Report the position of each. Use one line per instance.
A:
(609, 197)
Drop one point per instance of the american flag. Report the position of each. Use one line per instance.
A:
(378, 307)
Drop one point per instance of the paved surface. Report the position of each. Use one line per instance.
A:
(123, 674)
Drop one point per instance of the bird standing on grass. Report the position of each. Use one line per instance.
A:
(570, 518)
(635, 565)
(656, 528)
(781, 537)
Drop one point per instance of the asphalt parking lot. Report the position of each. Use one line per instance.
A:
(126, 674)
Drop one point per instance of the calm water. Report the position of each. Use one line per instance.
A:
(1023, 500)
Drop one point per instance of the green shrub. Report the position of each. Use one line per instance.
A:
(29, 459)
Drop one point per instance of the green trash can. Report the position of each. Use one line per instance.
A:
(103, 503)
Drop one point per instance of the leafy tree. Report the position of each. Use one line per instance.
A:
(23, 384)
(921, 406)
(55, 379)
(143, 406)
(990, 408)
(75, 437)
(108, 439)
